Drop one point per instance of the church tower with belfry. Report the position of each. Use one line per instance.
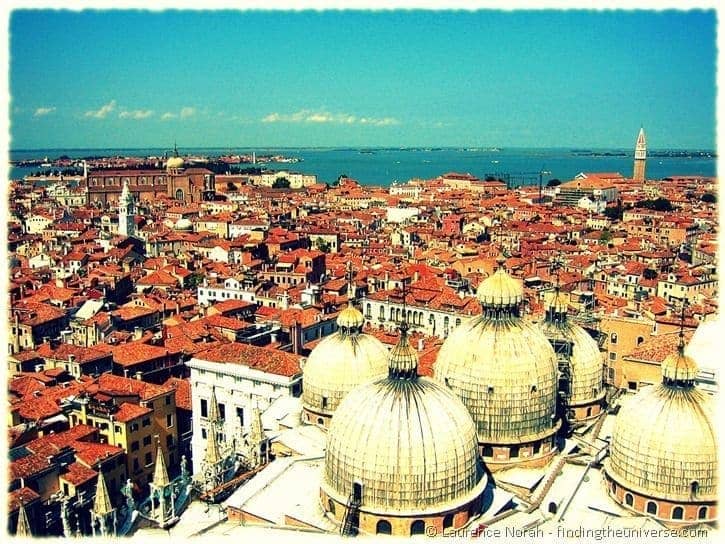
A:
(640, 157)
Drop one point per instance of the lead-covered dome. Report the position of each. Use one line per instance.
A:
(340, 362)
(664, 443)
(576, 347)
(502, 368)
(406, 441)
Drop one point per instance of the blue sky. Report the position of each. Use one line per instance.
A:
(362, 78)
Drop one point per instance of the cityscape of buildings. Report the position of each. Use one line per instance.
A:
(202, 353)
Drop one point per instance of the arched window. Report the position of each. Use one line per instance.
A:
(319, 421)
(431, 319)
(651, 507)
(179, 195)
(677, 512)
(702, 513)
(628, 499)
(382, 312)
(369, 310)
(694, 487)
(458, 321)
(613, 338)
(448, 521)
(639, 340)
(331, 506)
(417, 527)
(383, 528)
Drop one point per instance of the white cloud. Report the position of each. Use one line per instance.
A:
(186, 112)
(103, 112)
(309, 116)
(135, 114)
(43, 111)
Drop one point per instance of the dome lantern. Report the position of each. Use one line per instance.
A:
(500, 294)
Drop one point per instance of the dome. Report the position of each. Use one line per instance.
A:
(502, 367)
(664, 441)
(406, 441)
(350, 317)
(500, 289)
(183, 224)
(174, 163)
(505, 372)
(679, 367)
(341, 362)
(585, 362)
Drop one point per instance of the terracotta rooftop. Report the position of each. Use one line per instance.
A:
(266, 360)
(77, 474)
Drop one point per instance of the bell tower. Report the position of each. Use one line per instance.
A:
(640, 157)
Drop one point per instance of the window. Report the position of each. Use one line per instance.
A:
(651, 507)
(117, 428)
(514, 451)
(331, 506)
(204, 408)
(203, 434)
(448, 521)
(639, 340)
(537, 448)
(147, 459)
(702, 513)
(169, 440)
(222, 411)
(632, 386)
(240, 415)
(628, 499)
(324, 402)
(612, 356)
(168, 400)
(146, 440)
(146, 422)
(169, 420)
(134, 445)
(136, 468)
(677, 512)
(613, 338)
(383, 527)
(417, 527)
(694, 486)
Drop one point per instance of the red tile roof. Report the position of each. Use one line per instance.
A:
(24, 495)
(77, 474)
(266, 360)
(183, 392)
(127, 411)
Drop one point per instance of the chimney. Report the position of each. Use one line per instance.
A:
(137, 333)
(71, 358)
(420, 344)
(138, 375)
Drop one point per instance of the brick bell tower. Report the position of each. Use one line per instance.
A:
(640, 157)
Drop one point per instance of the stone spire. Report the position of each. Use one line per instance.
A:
(212, 455)
(102, 502)
(640, 156)
(23, 527)
(161, 475)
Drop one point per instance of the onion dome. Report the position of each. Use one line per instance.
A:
(576, 347)
(502, 367)
(500, 289)
(350, 318)
(407, 442)
(664, 444)
(340, 362)
(174, 163)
